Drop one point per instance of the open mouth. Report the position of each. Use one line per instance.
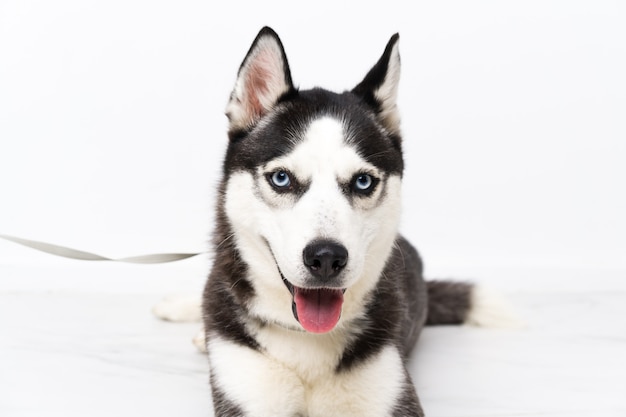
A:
(317, 309)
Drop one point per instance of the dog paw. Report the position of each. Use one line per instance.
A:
(200, 341)
(179, 309)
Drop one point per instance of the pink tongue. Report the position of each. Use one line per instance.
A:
(318, 309)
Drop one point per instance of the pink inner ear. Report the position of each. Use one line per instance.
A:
(261, 79)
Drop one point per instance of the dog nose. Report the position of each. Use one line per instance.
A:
(325, 258)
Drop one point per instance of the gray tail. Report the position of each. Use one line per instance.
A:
(466, 303)
(448, 302)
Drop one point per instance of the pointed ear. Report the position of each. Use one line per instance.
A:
(262, 79)
(379, 88)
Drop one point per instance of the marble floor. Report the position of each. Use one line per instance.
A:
(78, 339)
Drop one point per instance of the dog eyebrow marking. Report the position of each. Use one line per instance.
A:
(325, 155)
(325, 148)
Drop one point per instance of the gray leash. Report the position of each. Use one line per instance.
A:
(155, 258)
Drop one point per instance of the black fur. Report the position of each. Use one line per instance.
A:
(388, 320)
(376, 76)
(448, 302)
(291, 118)
(222, 405)
(408, 404)
(227, 290)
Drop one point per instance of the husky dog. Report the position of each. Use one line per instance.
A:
(315, 301)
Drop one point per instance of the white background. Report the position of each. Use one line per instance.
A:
(111, 139)
(112, 127)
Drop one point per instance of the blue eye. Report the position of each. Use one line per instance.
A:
(280, 179)
(363, 182)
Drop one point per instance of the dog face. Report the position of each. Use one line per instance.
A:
(312, 187)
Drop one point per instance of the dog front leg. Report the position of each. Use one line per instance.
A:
(246, 383)
(377, 387)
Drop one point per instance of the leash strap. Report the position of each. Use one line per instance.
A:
(65, 252)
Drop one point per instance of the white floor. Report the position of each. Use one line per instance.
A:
(78, 339)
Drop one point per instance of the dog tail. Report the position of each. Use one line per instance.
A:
(451, 302)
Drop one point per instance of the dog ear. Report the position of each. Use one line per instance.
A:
(263, 78)
(379, 88)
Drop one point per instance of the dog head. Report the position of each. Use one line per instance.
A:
(312, 187)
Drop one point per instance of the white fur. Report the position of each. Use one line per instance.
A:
(490, 309)
(311, 356)
(179, 309)
(199, 341)
(265, 386)
(367, 230)
(387, 93)
(261, 387)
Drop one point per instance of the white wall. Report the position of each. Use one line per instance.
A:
(112, 125)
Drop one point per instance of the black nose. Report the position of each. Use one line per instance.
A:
(325, 258)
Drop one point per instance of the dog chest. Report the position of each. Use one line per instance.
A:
(300, 384)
